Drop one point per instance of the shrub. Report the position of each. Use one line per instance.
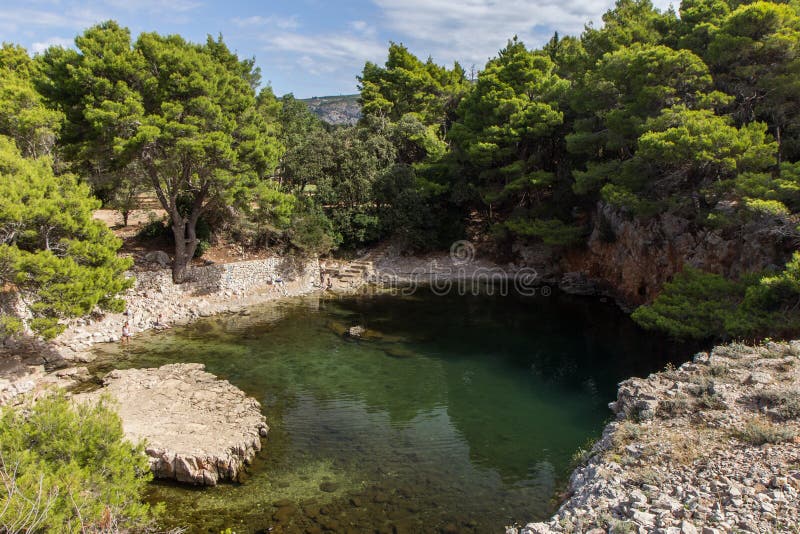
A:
(785, 405)
(759, 432)
(152, 230)
(312, 233)
(68, 468)
(712, 401)
(675, 406)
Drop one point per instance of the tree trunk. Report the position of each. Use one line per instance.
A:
(185, 247)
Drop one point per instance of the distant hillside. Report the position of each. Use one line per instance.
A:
(336, 109)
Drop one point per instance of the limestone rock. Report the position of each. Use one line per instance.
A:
(356, 331)
(197, 428)
(758, 377)
(158, 256)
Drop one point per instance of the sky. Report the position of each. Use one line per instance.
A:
(314, 47)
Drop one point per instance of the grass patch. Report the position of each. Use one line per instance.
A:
(676, 405)
(701, 385)
(719, 370)
(581, 456)
(760, 431)
(618, 526)
(711, 402)
(784, 405)
(648, 476)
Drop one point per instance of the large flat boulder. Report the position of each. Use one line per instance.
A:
(198, 429)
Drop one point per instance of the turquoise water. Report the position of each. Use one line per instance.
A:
(456, 413)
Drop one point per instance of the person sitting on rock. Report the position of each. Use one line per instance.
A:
(159, 323)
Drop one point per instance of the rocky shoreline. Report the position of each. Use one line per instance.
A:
(711, 447)
(29, 364)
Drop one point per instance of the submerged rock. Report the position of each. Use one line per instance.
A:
(197, 428)
(356, 331)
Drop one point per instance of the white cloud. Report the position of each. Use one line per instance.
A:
(283, 23)
(472, 31)
(41, 46)
(155, 6)
(77, 15)
(326, 53)
(77, 18)
(363, 27)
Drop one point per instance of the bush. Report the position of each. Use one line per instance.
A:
(785, 405)
(153, 230)
(312, 233)
(759, 432)
(68, 468)
(700, 305)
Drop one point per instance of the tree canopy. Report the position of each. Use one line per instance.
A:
(184, 115)
(60, 260)
(693, 116)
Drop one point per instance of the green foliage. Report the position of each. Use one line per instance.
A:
(702, 305)
(407, 85)
(504, 137)
(153, 230)
(755, 54)
(62, 261)
(688, 155)
(312, 233)
(627, 23)
(185, 114)
(70, 466)
(616, 99)
(23, 115)
(550, 231)
(694, 305)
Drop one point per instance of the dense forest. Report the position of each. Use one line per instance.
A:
(695, 115)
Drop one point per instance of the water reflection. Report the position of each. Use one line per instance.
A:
(452, 411)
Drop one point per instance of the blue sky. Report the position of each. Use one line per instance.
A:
(314, 47)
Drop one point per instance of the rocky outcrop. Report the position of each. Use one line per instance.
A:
(632, 258)
(17, 378)
(712, 447)
(337, 110)
(197, 428)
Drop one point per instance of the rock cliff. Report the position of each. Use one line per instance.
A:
(630, 259)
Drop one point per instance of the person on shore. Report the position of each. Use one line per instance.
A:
(159, 323)
(279, 285)
(126, 333)
(329, 285)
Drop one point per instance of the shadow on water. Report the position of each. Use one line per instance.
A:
(452, 412)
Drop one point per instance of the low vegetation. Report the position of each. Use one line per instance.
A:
(67, 468)
(783, 405)
(758, 431)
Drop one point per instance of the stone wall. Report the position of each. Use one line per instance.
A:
(229, 279)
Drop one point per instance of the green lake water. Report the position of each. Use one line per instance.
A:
(462, 414)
